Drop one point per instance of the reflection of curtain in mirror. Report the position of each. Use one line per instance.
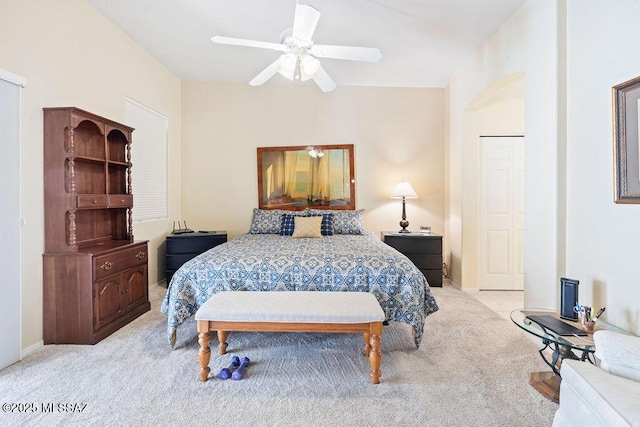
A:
(346, 173)
(274, 174)
(269, 181)
(337, 174)
(319, 183)
(290, 166)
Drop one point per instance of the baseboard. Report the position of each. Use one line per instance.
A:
(31, 349)
(162, 283)
(450, 282)
(447, 281)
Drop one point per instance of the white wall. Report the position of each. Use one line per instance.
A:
(602, 237)
(398, 134)
(72, 56)
(525, 43)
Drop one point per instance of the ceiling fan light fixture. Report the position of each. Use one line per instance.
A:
(310, 65)
(288, 62)
(298, 60)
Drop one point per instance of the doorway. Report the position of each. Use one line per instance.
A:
(10, 265)
(501, 209)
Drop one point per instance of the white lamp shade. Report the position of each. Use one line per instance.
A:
(403, 189)
(310, 65)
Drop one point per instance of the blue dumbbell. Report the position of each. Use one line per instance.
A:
(225, 373)
(238, 373)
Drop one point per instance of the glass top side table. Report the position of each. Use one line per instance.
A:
(563, 347)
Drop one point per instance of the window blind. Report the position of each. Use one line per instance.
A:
(149, 157)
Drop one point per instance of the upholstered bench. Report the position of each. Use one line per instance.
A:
(294, 311)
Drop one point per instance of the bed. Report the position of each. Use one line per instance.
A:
(348, 259)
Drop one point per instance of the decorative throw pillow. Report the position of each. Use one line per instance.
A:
(345, 221)
(307, 226)
(326, 228)
(269, 221)
(287, 225)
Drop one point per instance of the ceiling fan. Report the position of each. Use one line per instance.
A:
(299, 60)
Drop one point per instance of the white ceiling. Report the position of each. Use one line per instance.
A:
(422, 41)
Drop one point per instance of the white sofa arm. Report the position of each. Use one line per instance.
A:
(619, 354)
(592, 397)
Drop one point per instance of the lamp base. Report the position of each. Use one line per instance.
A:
(404, 224)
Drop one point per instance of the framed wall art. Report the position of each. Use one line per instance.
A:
(626, 142)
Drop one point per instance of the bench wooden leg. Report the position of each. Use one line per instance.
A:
(375, 355)
(222, 338)
(204, 355)
(367, 346)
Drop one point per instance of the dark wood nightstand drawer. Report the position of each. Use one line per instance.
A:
(415, 244)
(193, 242)
(434, 277)
(426, 262)
(175, 261)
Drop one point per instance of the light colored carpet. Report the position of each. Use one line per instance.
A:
(471, 370)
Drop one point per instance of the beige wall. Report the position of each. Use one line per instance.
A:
(398, 135)
(72, 56)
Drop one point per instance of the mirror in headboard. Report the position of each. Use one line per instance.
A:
(299, 177)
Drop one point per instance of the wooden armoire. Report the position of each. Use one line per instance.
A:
(95, 274)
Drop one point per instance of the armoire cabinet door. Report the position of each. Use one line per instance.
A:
(135, 289)
(107, 301)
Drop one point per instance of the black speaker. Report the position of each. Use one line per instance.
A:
(568, 298)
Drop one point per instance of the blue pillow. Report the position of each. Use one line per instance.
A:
(287, 224)
(326, 228)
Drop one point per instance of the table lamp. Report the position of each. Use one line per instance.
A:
(404, 191)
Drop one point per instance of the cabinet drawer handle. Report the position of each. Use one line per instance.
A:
(106, 266)
(140, 255)
(94, 201)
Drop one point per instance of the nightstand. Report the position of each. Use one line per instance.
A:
(182, 247)
(424, 250)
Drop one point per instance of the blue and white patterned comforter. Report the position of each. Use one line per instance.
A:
(269, 262)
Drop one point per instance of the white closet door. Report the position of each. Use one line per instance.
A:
(10, 285)
(500, 251)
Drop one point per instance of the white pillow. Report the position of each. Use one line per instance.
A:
(619, 354)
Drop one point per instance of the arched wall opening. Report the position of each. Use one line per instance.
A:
(496, 110)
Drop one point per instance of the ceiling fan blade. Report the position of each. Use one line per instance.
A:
(323, 80)
(352, 53)
(304, 22)
(266, 74)
(248, 43)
